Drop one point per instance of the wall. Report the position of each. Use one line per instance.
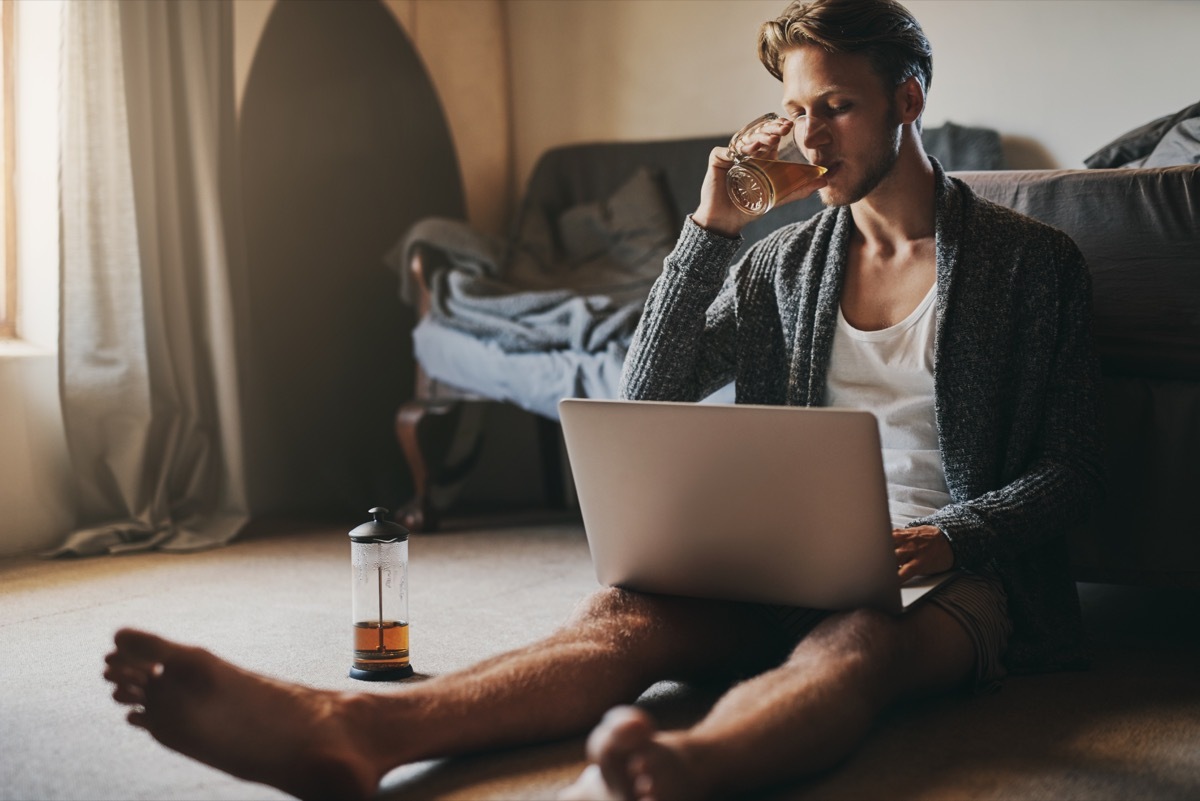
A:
(35, 478)
(1058, 78)
(463, 45)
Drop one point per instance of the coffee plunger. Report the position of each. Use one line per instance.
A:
(379, 564)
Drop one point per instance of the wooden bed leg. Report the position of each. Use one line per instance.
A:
(552, 465)
(419, 514)
(425, 430)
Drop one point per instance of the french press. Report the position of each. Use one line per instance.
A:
(379, 563)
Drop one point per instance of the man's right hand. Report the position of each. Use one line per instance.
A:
(716, 212)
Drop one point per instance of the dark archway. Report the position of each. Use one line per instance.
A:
(343, 146)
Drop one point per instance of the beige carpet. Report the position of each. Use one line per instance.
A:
(278, 602)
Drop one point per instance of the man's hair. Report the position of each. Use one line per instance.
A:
(883, 30)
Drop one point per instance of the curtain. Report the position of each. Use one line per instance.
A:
(150, 245)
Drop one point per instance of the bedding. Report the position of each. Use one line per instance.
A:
(1178, 135)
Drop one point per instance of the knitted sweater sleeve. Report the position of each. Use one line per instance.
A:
(684, 346)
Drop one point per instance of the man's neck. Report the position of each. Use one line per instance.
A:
(900, 210)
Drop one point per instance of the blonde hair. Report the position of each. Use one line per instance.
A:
(883, 30)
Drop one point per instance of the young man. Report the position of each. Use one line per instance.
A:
(962, 325)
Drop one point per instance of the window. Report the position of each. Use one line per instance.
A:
(8, 217)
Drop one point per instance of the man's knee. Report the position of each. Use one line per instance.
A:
(620, 615)
(617, 609)
(865, 642)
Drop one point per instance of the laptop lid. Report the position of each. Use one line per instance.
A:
(771, 504)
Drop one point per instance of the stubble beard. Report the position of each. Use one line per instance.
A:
(878, 167)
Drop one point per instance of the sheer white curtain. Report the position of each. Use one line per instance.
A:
(149, 247)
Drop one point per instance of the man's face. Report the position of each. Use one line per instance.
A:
(846, 120)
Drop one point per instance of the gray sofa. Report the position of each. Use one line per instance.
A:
(1139, 230)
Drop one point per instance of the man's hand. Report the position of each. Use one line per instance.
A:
(922, 551)
(716, 211)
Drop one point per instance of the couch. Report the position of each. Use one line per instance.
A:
(1138, 228)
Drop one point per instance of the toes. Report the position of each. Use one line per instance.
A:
(143, 646)
(623, 732)
(129, 695)
(622, 728)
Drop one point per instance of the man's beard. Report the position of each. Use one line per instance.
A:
(880, 165)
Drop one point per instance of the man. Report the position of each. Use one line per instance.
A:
(962, 325)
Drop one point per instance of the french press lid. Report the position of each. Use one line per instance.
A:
(380, 529)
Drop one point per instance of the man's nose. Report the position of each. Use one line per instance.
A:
(810, 132)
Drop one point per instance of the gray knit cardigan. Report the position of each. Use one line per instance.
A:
(1015, 379)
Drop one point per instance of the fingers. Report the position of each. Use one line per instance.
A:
(764, 141)
(716, 211)
(922, 550)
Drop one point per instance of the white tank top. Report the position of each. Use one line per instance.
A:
(890, 373)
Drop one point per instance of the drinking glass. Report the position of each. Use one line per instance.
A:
(756, 183)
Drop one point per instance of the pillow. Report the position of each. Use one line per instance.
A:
(1140, 142)
(958, 147)
(1180, 145)
(630, 227)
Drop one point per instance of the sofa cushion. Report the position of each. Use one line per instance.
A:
(630, 226)
(1137, 229)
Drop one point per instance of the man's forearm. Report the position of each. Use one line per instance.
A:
(683, 340)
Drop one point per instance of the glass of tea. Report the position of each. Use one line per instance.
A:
(759, 178)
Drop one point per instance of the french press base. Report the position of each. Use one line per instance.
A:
(381, 675)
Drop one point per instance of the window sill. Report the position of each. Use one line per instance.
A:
(20, 349)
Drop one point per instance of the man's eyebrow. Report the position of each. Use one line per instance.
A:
(823, 93)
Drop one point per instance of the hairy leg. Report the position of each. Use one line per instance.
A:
(799, 719)
(315, 743)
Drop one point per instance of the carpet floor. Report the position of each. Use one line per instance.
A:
(277, 601)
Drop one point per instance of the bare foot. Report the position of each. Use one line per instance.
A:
(632, 760)
(290, 737)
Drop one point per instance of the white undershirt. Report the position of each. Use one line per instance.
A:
(890, 373)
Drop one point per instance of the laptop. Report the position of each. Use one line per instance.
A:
(772, 504)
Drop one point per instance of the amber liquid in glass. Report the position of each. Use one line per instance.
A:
(380, 645)
(756, 185)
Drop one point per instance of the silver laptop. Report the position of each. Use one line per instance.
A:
(773, 504)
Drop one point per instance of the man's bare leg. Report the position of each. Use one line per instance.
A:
(796, 720)
(314, 743)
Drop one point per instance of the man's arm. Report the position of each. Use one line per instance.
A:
(683, 348)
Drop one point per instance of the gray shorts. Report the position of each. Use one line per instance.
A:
(976, 600)
(980, 605)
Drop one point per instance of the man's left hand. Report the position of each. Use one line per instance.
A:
(922, 551)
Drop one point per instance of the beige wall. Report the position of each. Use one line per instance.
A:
(1058, 78)
(463, 45)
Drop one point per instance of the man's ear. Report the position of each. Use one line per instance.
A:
(910, 99)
